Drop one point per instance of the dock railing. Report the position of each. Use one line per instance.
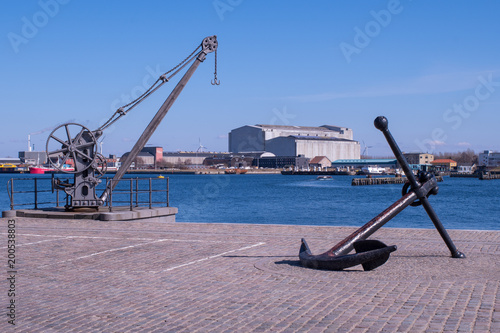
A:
(36, 193)
(128, 192)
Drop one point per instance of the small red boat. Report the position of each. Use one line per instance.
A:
(40, 169)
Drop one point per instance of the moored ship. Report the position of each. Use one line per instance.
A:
(39, 169)
(42, 169)
(235, 171)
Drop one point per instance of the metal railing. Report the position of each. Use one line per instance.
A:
(33, 191)
(137, 196)
(129, 192)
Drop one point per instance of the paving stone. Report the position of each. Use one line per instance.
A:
(91, 276)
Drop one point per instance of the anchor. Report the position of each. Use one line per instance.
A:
(373, 253)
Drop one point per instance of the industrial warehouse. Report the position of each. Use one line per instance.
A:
(331, 141)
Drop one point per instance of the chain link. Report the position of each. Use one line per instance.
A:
(215, 81)
(123, 110)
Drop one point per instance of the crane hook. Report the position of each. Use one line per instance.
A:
(215, 81)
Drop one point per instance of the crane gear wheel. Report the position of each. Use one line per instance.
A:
(100, 165)
(82, 147)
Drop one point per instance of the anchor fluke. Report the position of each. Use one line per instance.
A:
(374, 245)
(371, 254)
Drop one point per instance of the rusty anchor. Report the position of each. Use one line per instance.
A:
(373, 253)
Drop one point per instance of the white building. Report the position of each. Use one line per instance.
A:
(489, 159)
(331, 141)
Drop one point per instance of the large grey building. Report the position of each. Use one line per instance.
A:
(489, 159)
(331, 141)
(33, 157)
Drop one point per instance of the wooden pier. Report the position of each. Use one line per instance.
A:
(316, 173)
(464, 175)
(489, 176)
(383, 180)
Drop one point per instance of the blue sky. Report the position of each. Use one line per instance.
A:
(433, 68)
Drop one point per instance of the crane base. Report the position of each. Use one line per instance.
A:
(155, 214)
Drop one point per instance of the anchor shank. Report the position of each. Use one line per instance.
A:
(346, 246)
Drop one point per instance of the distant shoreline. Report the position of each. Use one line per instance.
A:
(169, 171)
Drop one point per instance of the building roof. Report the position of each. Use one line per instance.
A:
(145, 154)
(318, 159)
(318, 138)
(11, 160)
(141, 154)
(256, 154)
(325, 128)
(366, 161)
(194, 154)
(443, 161)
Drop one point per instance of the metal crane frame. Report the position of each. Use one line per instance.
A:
(89, 165)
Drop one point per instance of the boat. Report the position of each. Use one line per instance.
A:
(40, 169)
(7, 168)
(324, 178)
(369, 170)
(235, 171)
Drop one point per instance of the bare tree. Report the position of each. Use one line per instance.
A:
(464, 157)
(162, 164)
(139, 162)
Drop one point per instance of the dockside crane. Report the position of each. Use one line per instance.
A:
(73, 141)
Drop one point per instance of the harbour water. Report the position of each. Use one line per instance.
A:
(462, 203)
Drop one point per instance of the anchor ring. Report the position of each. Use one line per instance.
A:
(406, 189)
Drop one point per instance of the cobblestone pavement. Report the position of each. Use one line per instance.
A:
(88, 276)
